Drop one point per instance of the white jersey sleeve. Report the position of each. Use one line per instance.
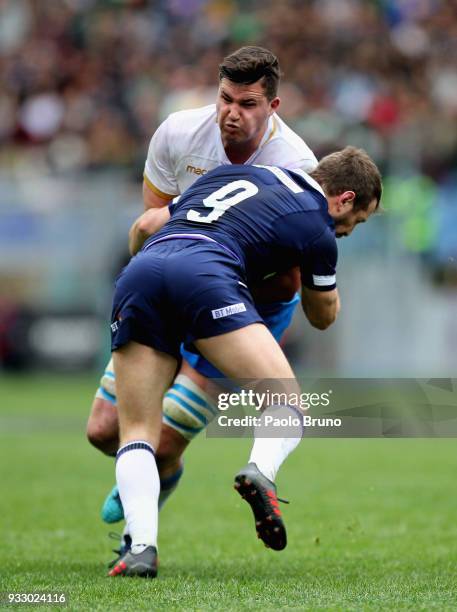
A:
(159, 171)
(307, 164)
(286, 148)
(188, 144)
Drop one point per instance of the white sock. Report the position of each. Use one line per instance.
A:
(269, 452)
(139, 486)
(170, 483)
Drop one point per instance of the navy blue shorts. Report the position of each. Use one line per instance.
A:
(277, 316)
(180, 290)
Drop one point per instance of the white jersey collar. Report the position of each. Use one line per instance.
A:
(272, 126)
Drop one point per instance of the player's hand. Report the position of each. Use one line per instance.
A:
(150, 222)
(279, 288)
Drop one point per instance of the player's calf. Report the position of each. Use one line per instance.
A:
(186, 411)
(112, 509)
(169, 461)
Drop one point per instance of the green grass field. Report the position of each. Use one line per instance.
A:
(371, 525)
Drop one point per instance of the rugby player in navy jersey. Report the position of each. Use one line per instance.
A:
(189, 283)
(242, 127)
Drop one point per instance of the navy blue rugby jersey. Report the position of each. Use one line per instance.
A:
(271, 218)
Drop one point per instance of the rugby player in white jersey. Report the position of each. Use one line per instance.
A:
(241, 128)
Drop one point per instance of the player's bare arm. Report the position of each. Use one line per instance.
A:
(147, 224)
(154, 199)
(320, 307)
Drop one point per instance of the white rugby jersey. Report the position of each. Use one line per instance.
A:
(188, 144)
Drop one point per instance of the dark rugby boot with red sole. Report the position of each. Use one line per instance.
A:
(260, 493)
(143, 564)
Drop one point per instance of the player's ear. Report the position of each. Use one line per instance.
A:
(346, 201)
(274, 104)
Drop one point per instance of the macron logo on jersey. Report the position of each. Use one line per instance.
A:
(228, 310)
(194, 170)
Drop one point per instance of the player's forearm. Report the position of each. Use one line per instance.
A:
(136, 238)
(321, 309)
(147, 224)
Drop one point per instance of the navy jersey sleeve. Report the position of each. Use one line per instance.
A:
(318, 267)
(173, 204)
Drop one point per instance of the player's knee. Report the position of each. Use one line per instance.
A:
(102, 429)
(107, 444)
(96, 436)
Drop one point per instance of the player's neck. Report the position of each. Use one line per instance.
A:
(239, 153)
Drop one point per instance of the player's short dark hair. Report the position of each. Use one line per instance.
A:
(350, 170)
(250, 64)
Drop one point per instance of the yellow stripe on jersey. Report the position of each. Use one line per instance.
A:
(156, 190)
(273, 130)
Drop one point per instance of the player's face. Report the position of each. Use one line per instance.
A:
(345, 224)
(243, 112)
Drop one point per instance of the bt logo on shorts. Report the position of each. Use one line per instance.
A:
(228, 310)
(115, 326)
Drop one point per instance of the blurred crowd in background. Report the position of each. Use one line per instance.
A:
(85, 83)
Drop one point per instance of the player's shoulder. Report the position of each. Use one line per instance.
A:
(288, 148)
(312, 200)
(191, 130)
(191, 120)
(296, 179)
(313, 191)
(306, 180)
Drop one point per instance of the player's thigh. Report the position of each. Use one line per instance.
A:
(143, 374)
(277, 316)
(208, 384)
(249, 352)
(144, 344)
(188, 370)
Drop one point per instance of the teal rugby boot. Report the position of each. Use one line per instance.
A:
(112, 510)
